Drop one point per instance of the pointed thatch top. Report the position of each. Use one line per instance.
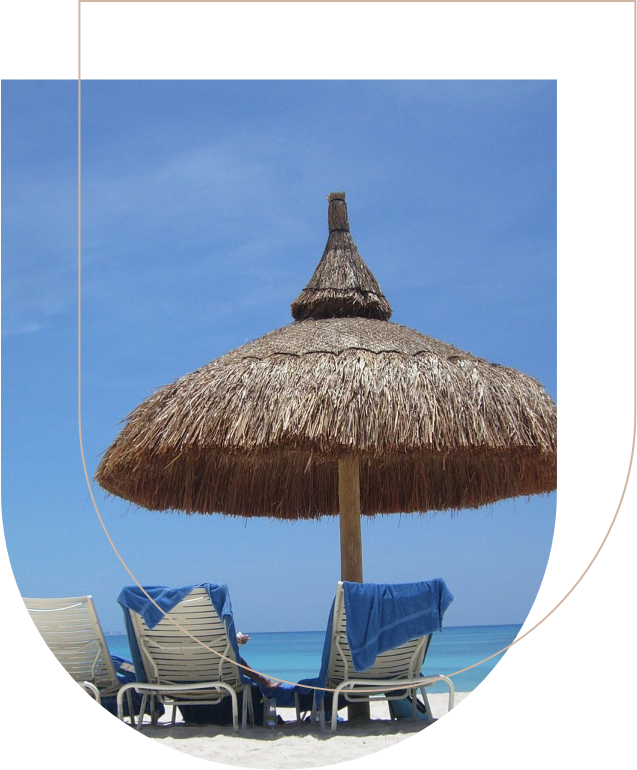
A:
(342, 285)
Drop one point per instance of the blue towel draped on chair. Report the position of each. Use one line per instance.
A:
(381, 617)
(134, 599)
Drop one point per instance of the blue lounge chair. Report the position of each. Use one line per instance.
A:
(170, 665)
(377, 639)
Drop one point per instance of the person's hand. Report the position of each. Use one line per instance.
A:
(242, 638)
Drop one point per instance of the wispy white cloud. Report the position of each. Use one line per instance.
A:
(19, 329)
(39, 246)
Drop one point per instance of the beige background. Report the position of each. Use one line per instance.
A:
(590, 47)
(570, 657)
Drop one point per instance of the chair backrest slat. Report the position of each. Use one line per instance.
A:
(72, 631)
(172, 657)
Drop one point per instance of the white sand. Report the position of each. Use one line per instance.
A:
(292, 745)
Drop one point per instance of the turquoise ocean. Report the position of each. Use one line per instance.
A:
(297, 655)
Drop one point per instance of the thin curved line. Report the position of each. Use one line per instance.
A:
(453, 358)
(88, 482)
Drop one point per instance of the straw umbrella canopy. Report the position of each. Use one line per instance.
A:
(340, 412)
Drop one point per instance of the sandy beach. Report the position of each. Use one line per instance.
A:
(291, 745)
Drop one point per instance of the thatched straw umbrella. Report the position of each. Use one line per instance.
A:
(339, 412)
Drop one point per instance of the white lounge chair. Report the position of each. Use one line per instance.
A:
(182, 672)
(72, 631)
(398, 667)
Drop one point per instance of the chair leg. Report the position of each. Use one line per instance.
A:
(334, 720)
(125, 690)
(154, 713)
(297, 707)
(131, 707)
(251, 710)
(425, 699)
(142, 711)
(174, 716)
(235, 711)
(247, 695)
(318, 712)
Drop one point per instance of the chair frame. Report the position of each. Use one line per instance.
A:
(343, 679)
(168, 655)
(72, 631)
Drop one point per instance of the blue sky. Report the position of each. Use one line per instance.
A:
(203, 216)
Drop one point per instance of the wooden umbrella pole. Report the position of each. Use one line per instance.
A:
(349, 499)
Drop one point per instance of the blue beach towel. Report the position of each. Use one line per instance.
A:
(381, 617)
(133, 599)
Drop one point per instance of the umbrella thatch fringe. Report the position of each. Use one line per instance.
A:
(286, 486)
(432, 424)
